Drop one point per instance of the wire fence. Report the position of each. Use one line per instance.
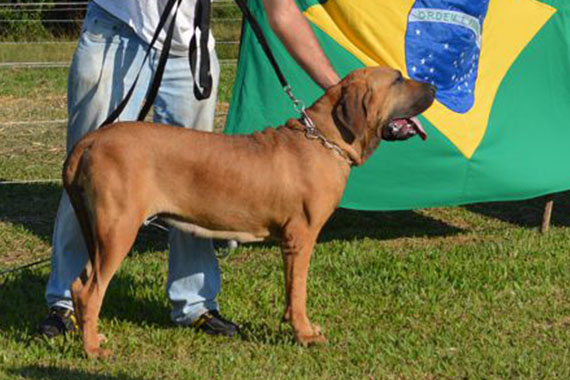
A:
(58, 64)
(77, 8)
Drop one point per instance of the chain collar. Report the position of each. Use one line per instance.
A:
(311, 132)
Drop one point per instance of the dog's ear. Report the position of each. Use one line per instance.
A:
(350, 113)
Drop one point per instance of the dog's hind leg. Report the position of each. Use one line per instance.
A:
(115, 237)
(298, 245)
(77, 287)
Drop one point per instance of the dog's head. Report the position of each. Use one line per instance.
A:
(379, 104)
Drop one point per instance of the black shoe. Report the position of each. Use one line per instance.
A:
(59, 321)
(212, 323)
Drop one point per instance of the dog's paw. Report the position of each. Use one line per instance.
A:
(317, 337)
(317, 330)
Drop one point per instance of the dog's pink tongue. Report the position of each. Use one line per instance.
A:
(418, 127)
(412, 123)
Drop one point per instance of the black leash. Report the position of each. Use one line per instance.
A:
(202, 79)
(299, 106)
(262, 41)
(153, 91)
(200, 70)
(25, 266)
(204, 76)
(310, 130)
(203, 82)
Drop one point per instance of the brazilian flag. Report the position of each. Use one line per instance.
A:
(500, 126)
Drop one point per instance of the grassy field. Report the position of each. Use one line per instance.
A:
(473, 292)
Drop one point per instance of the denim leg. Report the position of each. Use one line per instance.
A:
(193, 275)
(103, 68)
(68, 258)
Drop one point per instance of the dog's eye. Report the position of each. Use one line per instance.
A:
(399, 79)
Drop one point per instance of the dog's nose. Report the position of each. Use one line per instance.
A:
(432, 89)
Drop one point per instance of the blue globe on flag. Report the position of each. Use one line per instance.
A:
(443, 46)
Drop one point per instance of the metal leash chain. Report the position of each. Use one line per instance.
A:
(221, 253)
(311, 132)
(299, 106)
(153, 221)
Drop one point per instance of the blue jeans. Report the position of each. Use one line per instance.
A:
(105, 64)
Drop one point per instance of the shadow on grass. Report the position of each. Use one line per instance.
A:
(34, 206)
(527, 213)
(382, 225)
(22, 303)
(56, 373)
(31, 205)
(347, 224)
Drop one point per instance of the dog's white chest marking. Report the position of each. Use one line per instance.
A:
(198, 231)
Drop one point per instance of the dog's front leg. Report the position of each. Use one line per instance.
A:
(297, 248)
(287, 269)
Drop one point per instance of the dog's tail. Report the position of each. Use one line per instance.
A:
(73, 182)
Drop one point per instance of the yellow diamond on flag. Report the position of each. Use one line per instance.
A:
(375, 33)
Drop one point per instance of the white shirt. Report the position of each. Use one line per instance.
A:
(143, 17)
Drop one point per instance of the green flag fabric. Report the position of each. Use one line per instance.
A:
(500, 127)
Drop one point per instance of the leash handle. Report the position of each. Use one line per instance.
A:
(119, 109)
(203, 78)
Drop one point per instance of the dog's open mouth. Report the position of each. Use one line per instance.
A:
(403, 129)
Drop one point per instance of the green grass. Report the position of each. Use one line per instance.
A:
(470, 292)
(32, 151)
(62, 51)
(57, 52)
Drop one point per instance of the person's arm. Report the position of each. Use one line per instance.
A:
(294, 31)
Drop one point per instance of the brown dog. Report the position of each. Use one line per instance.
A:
(279, 183)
